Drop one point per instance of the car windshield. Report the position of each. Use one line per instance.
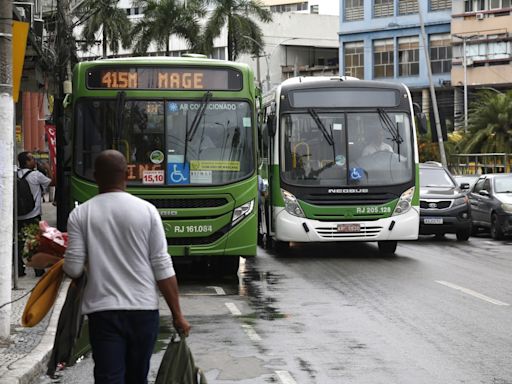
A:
(168, 142)
(341, 149)
(503, 184)
(435, 177)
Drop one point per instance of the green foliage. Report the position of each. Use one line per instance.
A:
(164, 18)
(489, 124)
(106, 17)
(239, 15)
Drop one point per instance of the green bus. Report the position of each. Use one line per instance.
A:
(187, 127)
(342, 163)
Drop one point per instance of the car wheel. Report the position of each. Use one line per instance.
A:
(496, 231)
(463, 235)
(387, 248)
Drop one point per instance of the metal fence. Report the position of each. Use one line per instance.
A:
(480, 163)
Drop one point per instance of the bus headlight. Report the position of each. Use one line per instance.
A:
(242, 211)
(291, 205)
(404, 203)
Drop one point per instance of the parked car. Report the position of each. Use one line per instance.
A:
(444, 205)
(491, 204)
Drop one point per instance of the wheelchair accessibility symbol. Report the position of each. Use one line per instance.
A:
(356, 174)
(178, 173)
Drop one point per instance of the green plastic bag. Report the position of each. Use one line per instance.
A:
(177, 366)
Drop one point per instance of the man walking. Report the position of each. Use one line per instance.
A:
(37, 182)
(120, 240)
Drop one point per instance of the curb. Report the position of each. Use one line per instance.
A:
(26, 369)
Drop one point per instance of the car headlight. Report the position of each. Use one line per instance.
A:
(460, 201)
(242, 211)
(291, 205)
(404, 203)
(507, 207)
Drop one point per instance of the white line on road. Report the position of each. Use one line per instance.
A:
(249, 330)
(233, 309)
(472, 293)
(285, 377)
(218, 290)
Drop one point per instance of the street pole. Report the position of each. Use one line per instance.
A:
(465, 86)
(265, 55)
(432, 91)
(6, 170)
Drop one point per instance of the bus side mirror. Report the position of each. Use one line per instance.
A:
(271, 125)
(421, 118)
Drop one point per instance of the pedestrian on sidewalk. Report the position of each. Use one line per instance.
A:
(37, 182)
(119, 239)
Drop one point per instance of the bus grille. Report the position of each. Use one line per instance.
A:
(188, 203)
(331, 232)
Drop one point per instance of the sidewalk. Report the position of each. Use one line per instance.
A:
(30, 348)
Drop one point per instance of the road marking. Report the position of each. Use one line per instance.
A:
(285, 377)
(233, 309)
(472, 293)
(249, 330)
(218, 290)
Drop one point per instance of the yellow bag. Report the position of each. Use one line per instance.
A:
(43, 295)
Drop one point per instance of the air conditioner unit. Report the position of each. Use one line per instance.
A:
(480, 16)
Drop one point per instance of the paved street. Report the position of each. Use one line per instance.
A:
(437, 313)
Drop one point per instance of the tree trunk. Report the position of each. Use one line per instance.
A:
(6, 171)
(167, 46)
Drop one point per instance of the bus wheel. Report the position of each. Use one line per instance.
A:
(387, 248)
(227, 265)
(281, 246)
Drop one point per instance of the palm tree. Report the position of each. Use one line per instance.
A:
(104, 16)
(164, 18)
(239, 17)
(490, 124)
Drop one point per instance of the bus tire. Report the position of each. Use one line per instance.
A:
(226, 265)
(281, 246)
(387, 248)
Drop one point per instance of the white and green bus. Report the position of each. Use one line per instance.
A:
(341, 162)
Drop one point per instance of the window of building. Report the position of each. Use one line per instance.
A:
(439, 5)
(383, 58)
(383, 8)
(440, 53)
(406, 7)
(354, 10)
(353, 57)
(314, 9)
(498, 4)
(408, 56)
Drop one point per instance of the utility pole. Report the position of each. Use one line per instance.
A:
(465, 66)
(6, 171)
(432, 90)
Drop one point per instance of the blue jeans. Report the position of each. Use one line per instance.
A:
(122, 343)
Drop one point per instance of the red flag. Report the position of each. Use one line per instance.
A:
(52, 146)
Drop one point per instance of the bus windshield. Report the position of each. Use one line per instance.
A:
(159, 143)
(345, 149)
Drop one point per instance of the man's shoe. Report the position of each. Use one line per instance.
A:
(21, 274)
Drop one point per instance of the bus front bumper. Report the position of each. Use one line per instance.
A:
(298, 229)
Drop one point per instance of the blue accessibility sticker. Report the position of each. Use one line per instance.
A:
(356, 174)
(178, 173)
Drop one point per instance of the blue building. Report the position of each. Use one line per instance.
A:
(381, 40)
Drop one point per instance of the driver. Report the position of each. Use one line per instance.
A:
(376, 144)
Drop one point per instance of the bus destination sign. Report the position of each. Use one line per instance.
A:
(164, 78)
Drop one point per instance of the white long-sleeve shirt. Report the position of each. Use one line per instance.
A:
(122, 241)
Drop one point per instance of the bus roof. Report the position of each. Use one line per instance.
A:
(164, 60)
(338, 81)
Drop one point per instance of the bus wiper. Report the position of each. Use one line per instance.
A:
(199, 115)
(321, 126)
(189, 133)
(394, 131)
(119, 119)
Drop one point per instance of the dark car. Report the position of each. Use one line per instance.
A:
(444, 205)
(491, 204)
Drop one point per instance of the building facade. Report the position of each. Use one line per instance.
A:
(382, 40)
